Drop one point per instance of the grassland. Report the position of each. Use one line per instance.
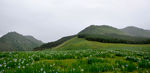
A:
(79, 56)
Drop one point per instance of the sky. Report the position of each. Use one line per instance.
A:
(49, 20)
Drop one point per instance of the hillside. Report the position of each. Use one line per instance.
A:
(31, 38)
(110, 34)
(14, 41)
(80, 43)
(54, 44)
(135, 31)
(101, 30)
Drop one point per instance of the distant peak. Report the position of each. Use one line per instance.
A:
(100, 26)
(13, 33)
(133, 27)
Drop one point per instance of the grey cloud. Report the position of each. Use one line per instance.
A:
(49, 20)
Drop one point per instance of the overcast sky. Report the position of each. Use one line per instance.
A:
(49, 20)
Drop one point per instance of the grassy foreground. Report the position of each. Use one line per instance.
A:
(79, 56)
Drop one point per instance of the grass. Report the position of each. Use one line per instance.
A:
(79, 43)
(79, 56)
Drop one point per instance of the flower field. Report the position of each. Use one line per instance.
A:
(76, 61)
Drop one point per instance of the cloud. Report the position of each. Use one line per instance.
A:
(49, 20)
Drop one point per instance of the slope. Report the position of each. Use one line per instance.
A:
(80, 43)
(14, 41)
(101, 30)
(34, 40)
(54, 44)
(135, 31)
(110, 34)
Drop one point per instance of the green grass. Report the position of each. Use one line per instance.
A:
(80, 43)
(79, 56)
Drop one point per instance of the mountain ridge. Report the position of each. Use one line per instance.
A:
(136, 31)
(103, 31)
(110, 34)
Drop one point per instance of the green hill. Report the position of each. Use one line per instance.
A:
(81, 43)
(31, 38)
(101, 30)
(14, 41)
(135, 31)
(54, 44)
(104, 33)
(110, 34)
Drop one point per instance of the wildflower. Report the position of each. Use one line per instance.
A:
(0, 65)
(18, 66)
(73, 69)
(22, 62)
(15, 60)
(23, 67)
(19, 60)
(10, 52)
(27, 64)
(41, 69)
(44, 72)
(90, 55)
(123, 67)
(54, 64)
(82, 69)
(5, 65)
(51, 65)
(147, 71)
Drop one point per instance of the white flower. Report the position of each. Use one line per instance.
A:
(123, 66)
(5, 65)
(0, 65)
(41, 69)
(27, 64)
(18, 66)
(82, 69)
(19, 60)
(51, 65)
(44, 72)
(23, 67)
(15, 60)
(22, 62)
(147, 71)
(90, 55)
(74, 69)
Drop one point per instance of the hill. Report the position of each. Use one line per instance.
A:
(14, 41)
(81, 43)
(104, 33)
(135, 31)
(110, 34)
(31, 38)
(101, 30)
(54, 44)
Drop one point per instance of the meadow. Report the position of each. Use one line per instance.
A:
(91, 57)
(75, 61)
